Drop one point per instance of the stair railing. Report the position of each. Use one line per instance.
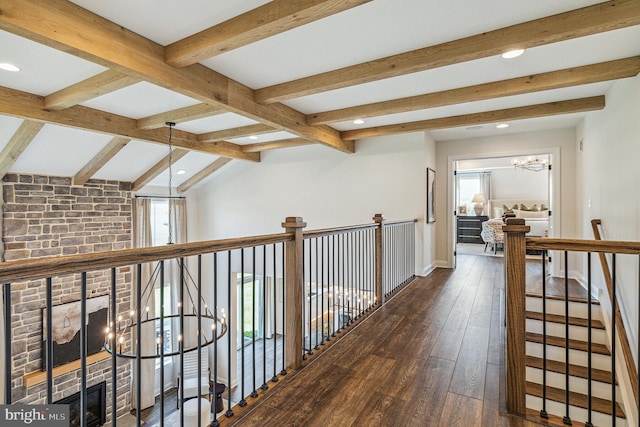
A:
(516, 247)
(622, 333)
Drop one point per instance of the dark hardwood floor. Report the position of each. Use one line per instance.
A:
(430, 357)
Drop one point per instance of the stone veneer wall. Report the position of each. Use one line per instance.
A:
(48, 216)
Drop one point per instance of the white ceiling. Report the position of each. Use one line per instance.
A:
(373, 30)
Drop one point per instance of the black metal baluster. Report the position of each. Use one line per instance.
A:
(308, 296)
(350, 264)
(317, 346)
(284, 308)
(199, 338)
(181, 339)
(242, 402)
(215, 422)
(7, 344)
(229, 412)
(83, 349)
(49, 348)
(614, 309)
(264, 318)
(589, 343)
(275, 315)
(112, 344)
(566, 419)
(334, 266)
(321, 294)
(543, 412)
(254, 393)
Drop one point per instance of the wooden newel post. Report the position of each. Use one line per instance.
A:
(293, 292)
(515, 292)
(379, 219)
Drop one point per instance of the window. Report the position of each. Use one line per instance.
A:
(468, 186)
(160, 236)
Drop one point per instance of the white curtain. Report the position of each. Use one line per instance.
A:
(485, 185)
(143, 237)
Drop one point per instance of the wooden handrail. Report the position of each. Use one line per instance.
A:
(312, 234)
(578, 245)
(624, 337)
(40, 268)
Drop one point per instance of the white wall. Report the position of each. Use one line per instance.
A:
(327, 188)
(608, 176)
(561, 141)
(512, 183)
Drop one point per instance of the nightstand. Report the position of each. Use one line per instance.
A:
(469, 228)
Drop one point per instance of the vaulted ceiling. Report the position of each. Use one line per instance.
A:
(98, 80)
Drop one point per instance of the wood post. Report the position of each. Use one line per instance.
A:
(293, 292)
(379, 219)
(515, 294)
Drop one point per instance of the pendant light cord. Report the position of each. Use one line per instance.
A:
(171, 125)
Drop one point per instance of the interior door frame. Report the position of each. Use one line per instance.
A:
(554, 194)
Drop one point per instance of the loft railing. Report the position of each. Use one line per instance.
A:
(261, 285)
(516, 247)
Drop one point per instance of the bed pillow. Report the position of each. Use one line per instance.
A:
(530, 214)
(507, 209)
(533, 208)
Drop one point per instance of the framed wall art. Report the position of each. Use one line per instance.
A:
(65, 329)
(431, 196)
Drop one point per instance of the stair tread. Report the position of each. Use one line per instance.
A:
(553, 420)
(575, 399)
(561, 298)
(555, 318)
(573, 344)
(574, 370)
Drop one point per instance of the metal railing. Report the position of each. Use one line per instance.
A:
(279, 297)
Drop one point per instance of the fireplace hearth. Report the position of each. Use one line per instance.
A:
(96, 406)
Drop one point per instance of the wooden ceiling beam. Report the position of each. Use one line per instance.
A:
(518, 113)
(179, 115)
(195, 179)
(158, 168)
(265, 21)
(17, 144)
(582, 22)
(283, 143)
(240, 132)
(57, 24)
(29, 106)
(587, 74)
(100, 159)
(93, 87)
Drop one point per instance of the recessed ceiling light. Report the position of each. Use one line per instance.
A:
(8, 67)
(513, 53)
(477, 127)
(181, 171)
(502, 126)
(253, 137)
(358, 122)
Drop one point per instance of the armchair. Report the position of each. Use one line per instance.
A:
(492, 233)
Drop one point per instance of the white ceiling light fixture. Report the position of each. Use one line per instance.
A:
(502, 126)
(530, 163)
(358, 121)
(253, 137)
(8, 67)
(181, 172)
(513, 53)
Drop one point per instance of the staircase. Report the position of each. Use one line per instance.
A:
(578, 361)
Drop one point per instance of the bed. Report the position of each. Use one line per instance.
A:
(535, 213)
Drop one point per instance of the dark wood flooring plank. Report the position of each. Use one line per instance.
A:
(461, 411)
(425, 396)
(469, 374)
(491, 400)
(496, 341)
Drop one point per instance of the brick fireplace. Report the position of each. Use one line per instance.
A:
(47, 216)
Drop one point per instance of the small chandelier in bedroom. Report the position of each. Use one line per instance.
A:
(530, 163)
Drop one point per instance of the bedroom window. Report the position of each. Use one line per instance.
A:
(469, 184)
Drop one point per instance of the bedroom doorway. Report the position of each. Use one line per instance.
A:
(484, 189)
